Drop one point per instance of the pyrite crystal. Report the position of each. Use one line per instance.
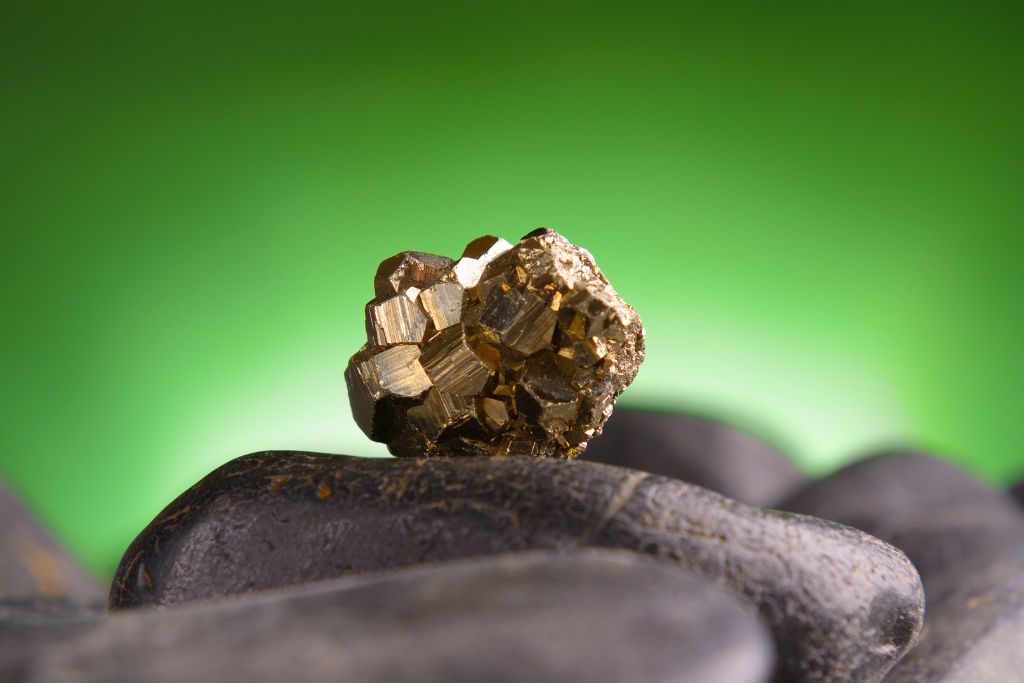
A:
(510, 350)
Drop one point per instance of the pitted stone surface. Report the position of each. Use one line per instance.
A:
(966, 540)
(841, 605)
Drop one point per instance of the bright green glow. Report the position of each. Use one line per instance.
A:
(816, 210)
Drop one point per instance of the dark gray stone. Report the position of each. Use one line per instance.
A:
(1017, 491)
(34, 568)
(40, 608)
(946, 521)
(967, 541)
(841, 605)
(975, 627)
(699, 450)
(594, 615)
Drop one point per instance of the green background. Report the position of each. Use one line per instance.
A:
(815, 207)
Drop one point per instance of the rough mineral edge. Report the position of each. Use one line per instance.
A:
(509, 350)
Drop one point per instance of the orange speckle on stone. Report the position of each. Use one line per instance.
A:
(278, 480)
(324, 491)
(144, 579)
(44, 566)
(183, 512)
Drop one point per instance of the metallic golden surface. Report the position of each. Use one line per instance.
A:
(510, 350)
(443, 303)
(408, 269)
(398, 320)
(452, 365)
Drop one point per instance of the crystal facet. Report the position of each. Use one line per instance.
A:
(510, 350)
(408, 269)
(443, 303)
(397, 320)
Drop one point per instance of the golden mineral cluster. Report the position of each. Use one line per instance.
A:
(509, 350)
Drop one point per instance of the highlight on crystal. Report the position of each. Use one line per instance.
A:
(508, 350)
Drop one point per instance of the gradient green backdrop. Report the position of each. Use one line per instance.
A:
(815, 207)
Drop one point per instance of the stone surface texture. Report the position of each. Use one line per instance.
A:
(549, 617)
(841, 605)
(33, 566)
(1017, 491)
(699, 450)
(510, 350)
(946, 521)
(966, 540)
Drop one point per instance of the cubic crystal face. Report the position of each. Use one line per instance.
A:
(509, 350)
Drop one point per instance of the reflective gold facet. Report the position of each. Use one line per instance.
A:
(443, 303)
(408, 269)
(494, 413)
(397, 320)
(452, 365)
(439, 411)
(378, 378)
(398, 371)
(510, 350)
(486, 248)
